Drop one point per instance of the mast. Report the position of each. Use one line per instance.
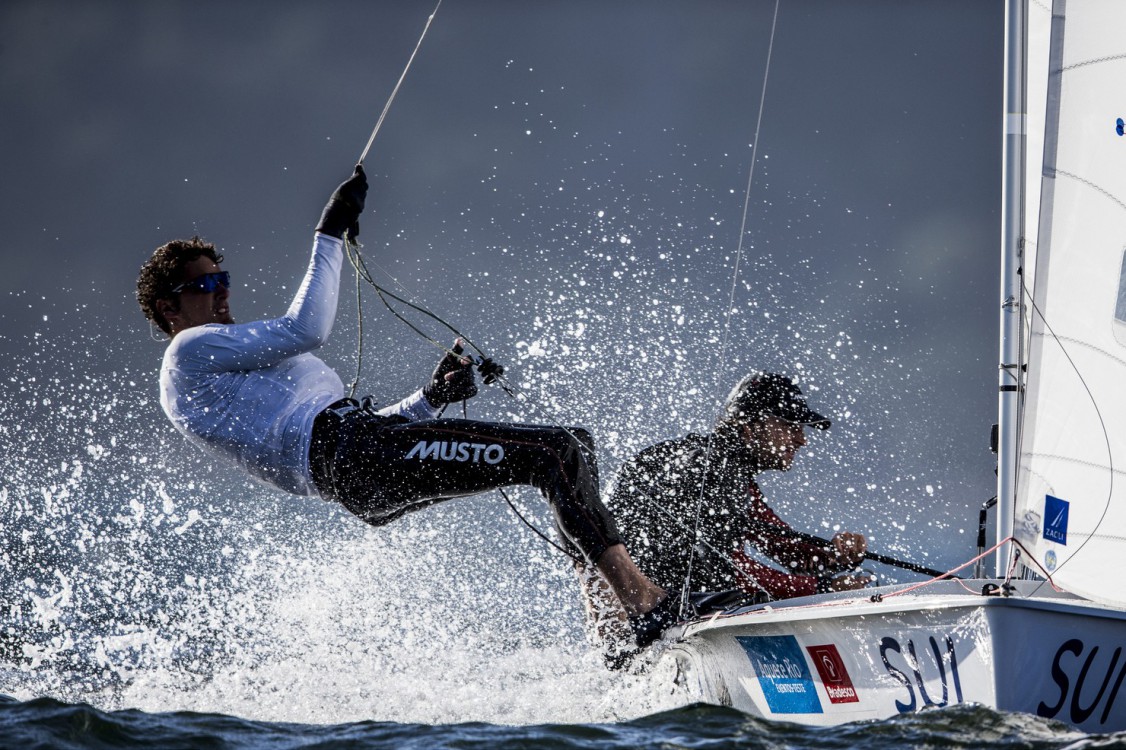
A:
(1012, 232)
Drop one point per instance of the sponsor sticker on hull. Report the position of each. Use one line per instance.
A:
(834, 676)
(782, 673)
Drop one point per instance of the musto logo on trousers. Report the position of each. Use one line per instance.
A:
(442, 450)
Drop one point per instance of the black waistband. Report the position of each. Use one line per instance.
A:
(328, 428)
(322, 445)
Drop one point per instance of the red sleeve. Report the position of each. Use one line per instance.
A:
(769, 534)
(753, 577)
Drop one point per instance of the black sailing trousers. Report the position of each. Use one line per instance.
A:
(380, 468)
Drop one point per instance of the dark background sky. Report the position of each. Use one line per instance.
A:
(562, 180)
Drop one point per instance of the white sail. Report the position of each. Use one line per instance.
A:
(1037, 41)
(1071, 486)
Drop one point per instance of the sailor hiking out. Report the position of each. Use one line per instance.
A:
(256, 395)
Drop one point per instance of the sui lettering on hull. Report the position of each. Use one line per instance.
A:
(934, 663)
(1083, 692)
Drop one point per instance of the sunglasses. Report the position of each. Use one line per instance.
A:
(206, 283)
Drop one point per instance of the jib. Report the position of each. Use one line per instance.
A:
(441, 450)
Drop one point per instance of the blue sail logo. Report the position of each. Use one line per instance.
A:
(1055, 519)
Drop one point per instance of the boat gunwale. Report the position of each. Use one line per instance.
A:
(891, 600)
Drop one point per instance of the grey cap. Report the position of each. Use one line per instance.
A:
(770, 393)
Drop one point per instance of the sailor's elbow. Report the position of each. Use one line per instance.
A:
(317, 339)
(310, 337)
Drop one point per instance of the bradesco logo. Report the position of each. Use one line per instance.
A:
(442, 450)
(834, 676)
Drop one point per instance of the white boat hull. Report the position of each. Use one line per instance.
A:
(833, 659)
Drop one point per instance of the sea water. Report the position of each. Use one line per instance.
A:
(155, 599)
(48, 723)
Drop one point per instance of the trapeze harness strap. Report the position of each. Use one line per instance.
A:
(322, 444)
(328, 428)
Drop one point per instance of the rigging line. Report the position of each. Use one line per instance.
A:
(354, 257)
(357, 261)
(507, 386)
(1017, 375)
(577, 558)
(1102, 425)
(360, 267)
(380, 291)
(952, 571)
(362, 272)
(395, 91)
(731, 299)
(388, 274)
(1046, 574)
(359, 325)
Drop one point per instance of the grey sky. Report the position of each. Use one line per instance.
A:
(564, 181)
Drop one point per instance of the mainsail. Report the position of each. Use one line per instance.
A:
(1070, 510)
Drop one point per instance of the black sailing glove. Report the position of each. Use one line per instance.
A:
(452, 379)
(345, 206)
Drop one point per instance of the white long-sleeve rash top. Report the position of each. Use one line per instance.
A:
(249, 392)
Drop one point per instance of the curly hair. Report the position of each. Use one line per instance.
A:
(164, 270)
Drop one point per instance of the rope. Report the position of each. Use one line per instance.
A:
(986, 553)
(950, 573)
(1102, 426)
(731, 298)
(359, 328)
(362, 273)
(364, 155)
(483, 362)
(924, 584)
(577, 558)
(395, 91)
(490, 372)
(1047, 576)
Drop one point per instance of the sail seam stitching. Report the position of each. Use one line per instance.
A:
(1095, 61)
(1085, 345)
(1088, 183)
(1079, 461)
